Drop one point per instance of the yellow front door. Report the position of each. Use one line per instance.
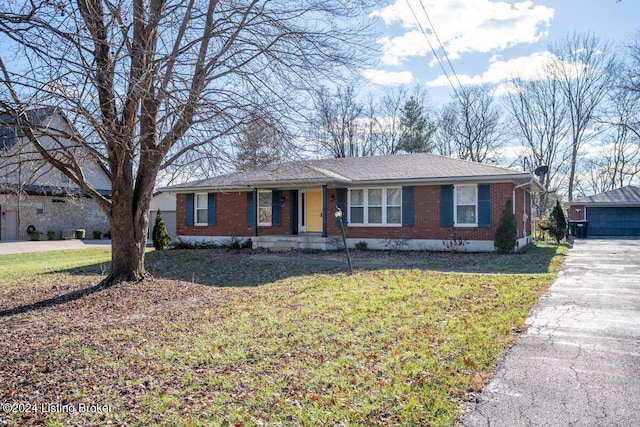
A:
(314, 211)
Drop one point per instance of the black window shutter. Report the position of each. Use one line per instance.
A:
(276, 208)
(341, 202)
(484, 205)
(211, 209)
(407, 206)
(189, 208)
(251, 208)
(446, 206)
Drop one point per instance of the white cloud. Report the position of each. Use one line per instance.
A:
(382, 77)
(463, 26)
(526, 67)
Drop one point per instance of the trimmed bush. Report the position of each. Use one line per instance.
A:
(507, 232)
(80, 233)
(35, 235)
(51, 235)
(97, 234)
(361, 245)
(159, 234)
(557, 222)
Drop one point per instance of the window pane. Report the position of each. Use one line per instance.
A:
(201, 201)
(264, 215)
(393, 197)
(375, 215)
(375, 198)
(264, 207)
(466, 195)
(264, 198)
(466, 214)
(357, 197)
(201, 216)
(357, 215)
(393, 215)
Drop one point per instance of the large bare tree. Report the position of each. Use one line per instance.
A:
(616, 162)
(383, 119)
(584, 67)
(340, 123)
(145, 82)
(539, 111)
(470, 126)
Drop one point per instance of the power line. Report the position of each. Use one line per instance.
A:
(433, 28)
(433, 50)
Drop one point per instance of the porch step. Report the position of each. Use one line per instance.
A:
(288, 243)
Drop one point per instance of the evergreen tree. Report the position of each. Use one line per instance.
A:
(507, 232)
(258, 144)
(160, 236)
(557, 222)
(416, 128)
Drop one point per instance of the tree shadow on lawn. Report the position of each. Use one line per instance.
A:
(208, 267)
(53, 301)
(223, 268)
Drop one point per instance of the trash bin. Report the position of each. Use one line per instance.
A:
(581, 230)
(572, 228)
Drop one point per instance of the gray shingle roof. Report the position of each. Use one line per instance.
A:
(629, 195)
(10, 133)
(359, 171)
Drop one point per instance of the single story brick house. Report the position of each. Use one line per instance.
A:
(614, 213)
(411, 201)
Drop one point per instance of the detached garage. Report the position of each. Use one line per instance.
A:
(613, 213)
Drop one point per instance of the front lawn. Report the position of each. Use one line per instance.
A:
(291, 344)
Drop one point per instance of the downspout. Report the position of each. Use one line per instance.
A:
(524, 205)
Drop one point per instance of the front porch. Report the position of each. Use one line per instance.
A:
(283, 243)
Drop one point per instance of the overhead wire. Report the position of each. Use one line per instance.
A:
(433, 50)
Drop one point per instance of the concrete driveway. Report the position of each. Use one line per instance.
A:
(579, 362)
(20, 247)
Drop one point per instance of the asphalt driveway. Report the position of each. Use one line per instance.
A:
(579, 362)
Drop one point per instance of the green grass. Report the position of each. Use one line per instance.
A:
(293, 344)
(43, 262)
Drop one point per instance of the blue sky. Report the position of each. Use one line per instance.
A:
(486, 40)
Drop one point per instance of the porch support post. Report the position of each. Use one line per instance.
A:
(324, 210)
(255, 211)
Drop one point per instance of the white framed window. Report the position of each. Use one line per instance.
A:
(375, 206)
(265, 201)
(394, 205)
(201, 209)
(466, 205)
(39, 208)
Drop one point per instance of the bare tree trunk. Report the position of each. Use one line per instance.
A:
(128, 233)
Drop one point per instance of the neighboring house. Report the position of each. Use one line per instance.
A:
(411, 201)
(166, 202)
(614, 213)
(35, 195)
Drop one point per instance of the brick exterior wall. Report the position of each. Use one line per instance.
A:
(576, 213)
(231, 217)
(74, 213)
